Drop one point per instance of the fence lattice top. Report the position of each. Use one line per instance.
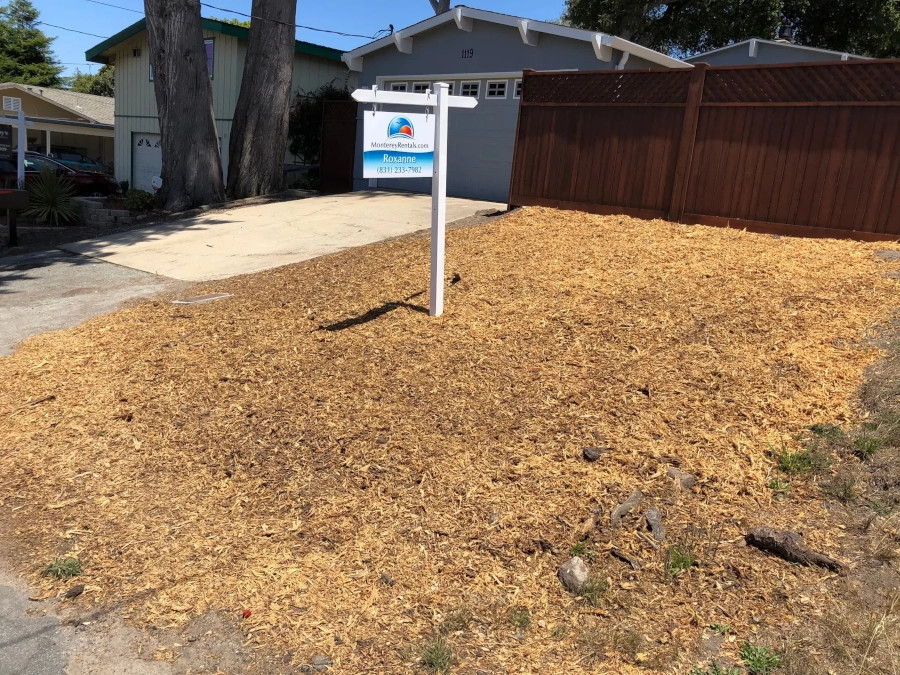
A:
(633, 87)
(825, 83)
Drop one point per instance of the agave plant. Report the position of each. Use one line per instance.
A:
(50, 199)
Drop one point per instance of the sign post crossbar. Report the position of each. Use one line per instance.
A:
(441, 102)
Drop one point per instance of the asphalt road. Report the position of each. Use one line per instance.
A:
(51, 290)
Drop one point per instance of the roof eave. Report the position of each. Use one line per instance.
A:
(464, 16)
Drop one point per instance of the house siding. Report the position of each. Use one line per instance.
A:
(481, 140)
(136, 101)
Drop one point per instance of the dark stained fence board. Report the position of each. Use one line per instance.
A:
(811, 148)
(338, 146)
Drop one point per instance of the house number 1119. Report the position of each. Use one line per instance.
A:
(468, 53)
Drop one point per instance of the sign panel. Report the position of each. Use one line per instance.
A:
(398, 145)
(5, 141)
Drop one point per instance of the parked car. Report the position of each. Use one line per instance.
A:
(87, 183)
(77, 161)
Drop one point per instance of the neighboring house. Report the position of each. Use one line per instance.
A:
(138, 154)
(63, 121)
(482, 54)
(759, 52)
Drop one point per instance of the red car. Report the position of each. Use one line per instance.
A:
(87, 183)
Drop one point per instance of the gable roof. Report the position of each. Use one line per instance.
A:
(464, 17)
(748, 44)
(97, 52)
(98, 109)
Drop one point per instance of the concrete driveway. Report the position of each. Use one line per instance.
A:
(252, 239)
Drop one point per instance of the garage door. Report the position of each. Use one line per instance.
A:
(146, 160)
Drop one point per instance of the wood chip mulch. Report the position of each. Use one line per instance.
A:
(319, 451)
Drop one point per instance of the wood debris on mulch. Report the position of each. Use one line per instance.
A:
(289, 448)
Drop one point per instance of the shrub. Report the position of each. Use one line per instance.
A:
(305, 122)
(139, 200)
(123, 186)
(50, 199)
(63, 568)
(436, 655)
(760, 660)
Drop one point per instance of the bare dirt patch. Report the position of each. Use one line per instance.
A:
(319, 451)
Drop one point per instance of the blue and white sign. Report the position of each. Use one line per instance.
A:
(398, 145)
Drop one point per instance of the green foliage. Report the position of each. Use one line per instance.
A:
(139, 200)
(760, 660)
(50, 199)
(714, 669)
(520, 617)
(63, 568)
(867, 27)
(830, 432)
(305, 123)
(25, 54)
(720, 628)
(436, 655)
(593, 589)
(779, 485)
(865, 445)
(679, 558)
(233, 22)
(101, 84)
(808, 460)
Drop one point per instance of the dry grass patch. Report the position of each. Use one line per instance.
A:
(282, 450)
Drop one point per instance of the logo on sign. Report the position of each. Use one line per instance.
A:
(400, 127)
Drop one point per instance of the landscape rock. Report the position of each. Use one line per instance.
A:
(573, 574)
(320, 662)
(886, 254)
(685, 480)
(625, 507)
(654, 522)
(592, 454)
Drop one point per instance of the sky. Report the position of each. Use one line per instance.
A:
(361, 17)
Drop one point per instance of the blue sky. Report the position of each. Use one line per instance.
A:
(349, 16)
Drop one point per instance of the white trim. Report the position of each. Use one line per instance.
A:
(440, 77)
(754, 48)
(463, 22)
(624, 60)
(697, 57)
(403, 43)
(421, 91)
(394, 83)
(477, 83)
(487, 89)
(845, 57)
(529, 37)
(465, 17)
(517, 84)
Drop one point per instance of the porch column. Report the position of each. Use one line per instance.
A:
(47, 151)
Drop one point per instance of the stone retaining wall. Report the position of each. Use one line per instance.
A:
(95, 214)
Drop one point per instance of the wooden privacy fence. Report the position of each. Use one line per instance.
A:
(802, 149)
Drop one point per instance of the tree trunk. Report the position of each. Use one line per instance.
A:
(440, 6)
(259, 131)
(191, 165)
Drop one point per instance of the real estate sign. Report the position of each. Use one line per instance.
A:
(398, 145)
(5, 141)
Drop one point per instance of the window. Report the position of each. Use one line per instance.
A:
(209, 46)
(421, 87)
(518, 89)
(470, 89)
(398, 86)
(39, 163)
(13, 103)
(496, 89)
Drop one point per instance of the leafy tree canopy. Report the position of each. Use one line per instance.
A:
(684, 27)
(25, 53)
(233, 22)
(101, 84)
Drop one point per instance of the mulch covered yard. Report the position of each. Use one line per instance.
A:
(317, 450)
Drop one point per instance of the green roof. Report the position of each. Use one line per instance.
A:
(95, 53)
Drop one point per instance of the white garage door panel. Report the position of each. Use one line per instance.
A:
(146, 160)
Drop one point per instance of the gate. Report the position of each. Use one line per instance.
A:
(338, 146)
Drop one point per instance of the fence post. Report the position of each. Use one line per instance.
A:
(686, 144)
(512, 175)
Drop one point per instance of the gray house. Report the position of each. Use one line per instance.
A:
(759, 52)
(482, 54)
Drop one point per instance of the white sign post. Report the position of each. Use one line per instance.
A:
(22, 139)
(397, 153)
